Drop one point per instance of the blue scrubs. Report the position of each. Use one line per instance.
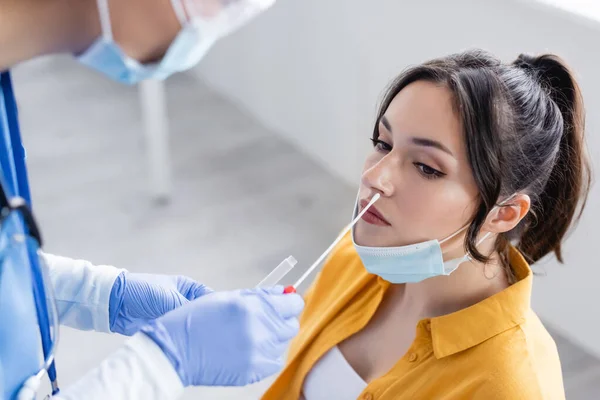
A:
(20, 292)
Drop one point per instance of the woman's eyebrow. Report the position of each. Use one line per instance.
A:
(420, 141)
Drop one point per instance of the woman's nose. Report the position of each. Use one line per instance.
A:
(379, 178)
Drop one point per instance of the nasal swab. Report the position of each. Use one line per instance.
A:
(292, 289)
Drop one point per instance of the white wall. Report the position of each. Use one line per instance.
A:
(314, 70)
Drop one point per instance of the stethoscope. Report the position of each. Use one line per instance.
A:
(32, 240)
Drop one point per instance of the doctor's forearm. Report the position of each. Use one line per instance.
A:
(138, 370)
(82, 292)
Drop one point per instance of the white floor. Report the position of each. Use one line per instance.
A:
(243, 199)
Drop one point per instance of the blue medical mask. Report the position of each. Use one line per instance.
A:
(193, 41)
(411, 263)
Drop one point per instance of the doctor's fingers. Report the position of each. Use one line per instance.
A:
(283, 329)
(286, 305)
(191, 289)
(288, 329)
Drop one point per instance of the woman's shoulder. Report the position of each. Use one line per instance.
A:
(521, 362)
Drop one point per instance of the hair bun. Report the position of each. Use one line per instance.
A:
(525, 62)
(553, 74)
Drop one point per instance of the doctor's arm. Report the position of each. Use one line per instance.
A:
(138, 370)
(106, 299)
(221, 339)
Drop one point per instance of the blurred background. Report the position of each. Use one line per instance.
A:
(223, 171)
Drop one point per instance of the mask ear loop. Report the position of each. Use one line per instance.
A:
(104, 15)
(180, 13)
(454, 234)
(502, 203)
(467, 254)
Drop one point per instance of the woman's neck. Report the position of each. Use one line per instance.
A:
(471, 283)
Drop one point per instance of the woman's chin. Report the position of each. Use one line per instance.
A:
(370, 235)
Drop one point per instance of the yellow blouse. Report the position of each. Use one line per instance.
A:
(495, 349)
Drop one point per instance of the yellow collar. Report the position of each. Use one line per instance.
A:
(473, 325)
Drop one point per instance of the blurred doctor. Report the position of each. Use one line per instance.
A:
(183, 333)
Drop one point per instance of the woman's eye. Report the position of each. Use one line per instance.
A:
(428, 172)
(382, 146)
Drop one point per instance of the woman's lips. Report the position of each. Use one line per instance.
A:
(373, 216)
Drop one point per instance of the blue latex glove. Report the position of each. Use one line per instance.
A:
(229, 338)
(136, 299)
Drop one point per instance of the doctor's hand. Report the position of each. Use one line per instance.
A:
(137, 299)
(228, 338)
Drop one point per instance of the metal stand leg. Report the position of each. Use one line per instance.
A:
(156, 132)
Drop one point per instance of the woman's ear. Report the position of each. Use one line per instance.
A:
(505, 217)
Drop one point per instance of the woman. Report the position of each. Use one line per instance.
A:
(481, 169)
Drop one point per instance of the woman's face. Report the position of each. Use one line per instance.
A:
(419, 166)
